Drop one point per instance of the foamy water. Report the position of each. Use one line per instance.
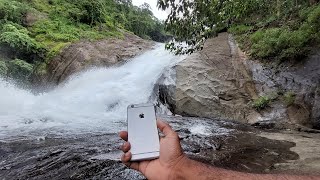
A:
(93, 101)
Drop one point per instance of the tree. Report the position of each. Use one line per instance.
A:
(146, 9)
(193, 21)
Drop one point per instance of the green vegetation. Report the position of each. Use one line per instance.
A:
(266, 29)
(13, 11)
(289, 98)
(19, 69)
(240, 29)
(34, 31)
(17, 37)
(3, 68)
(261, 103)
(279, 42)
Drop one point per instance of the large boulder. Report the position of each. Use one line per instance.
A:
(212, 83)
(164, 91)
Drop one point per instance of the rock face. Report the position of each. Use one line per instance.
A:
(221, 81)
(212, 83)
(104, 53)
(221, 143)
(316, 110)
(301, 79)
(164, 91)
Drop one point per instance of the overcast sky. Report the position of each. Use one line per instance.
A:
(162, 15)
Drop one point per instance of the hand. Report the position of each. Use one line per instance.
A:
(171, 155)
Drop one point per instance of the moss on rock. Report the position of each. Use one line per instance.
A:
(19, 69)
(3, 68)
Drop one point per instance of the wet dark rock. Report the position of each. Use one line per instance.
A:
(316, 110)
(112, 106)
(165, 88)
(264, 125)
(221, 143)
(272, 125)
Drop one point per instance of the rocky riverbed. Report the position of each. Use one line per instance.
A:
(221, 143)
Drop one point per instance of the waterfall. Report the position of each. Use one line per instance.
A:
(94, 101)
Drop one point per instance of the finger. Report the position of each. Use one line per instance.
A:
(164, 127)
(161, 139)
(126, 147)
(125, 158)
(124, 135)
(133, 165)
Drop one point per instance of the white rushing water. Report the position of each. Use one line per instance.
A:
(94, 101)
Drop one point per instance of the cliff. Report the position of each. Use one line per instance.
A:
(221, 81)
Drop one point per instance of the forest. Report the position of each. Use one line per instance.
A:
(34, 31)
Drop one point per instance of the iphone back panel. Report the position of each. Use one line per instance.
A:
(143, 132)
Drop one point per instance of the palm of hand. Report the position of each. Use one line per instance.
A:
(170, 155)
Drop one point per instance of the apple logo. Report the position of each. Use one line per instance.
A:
(141, 115)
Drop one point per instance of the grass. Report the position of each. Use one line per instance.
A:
(280, 42)
(275, 39)
(261, 103)
(240, 29)
(289, 98)
(58, 33)
(55, 48)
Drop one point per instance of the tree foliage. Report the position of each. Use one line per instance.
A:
(19, 69)
(18, 37)
(37, 30)
(282, 31)
(13, 11)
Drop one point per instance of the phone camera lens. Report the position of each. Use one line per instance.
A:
(132, 106)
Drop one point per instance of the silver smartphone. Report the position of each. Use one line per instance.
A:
(143, 132)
